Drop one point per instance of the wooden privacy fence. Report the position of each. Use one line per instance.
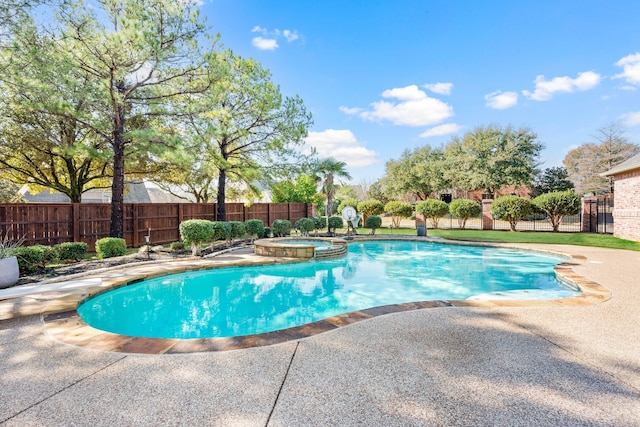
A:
(50, 224)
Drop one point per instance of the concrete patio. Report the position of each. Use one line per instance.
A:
(495, 365)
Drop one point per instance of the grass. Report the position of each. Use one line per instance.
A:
(579, 239)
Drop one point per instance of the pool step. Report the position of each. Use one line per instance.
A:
(334, 251)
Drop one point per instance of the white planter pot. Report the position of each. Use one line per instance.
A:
(9, 272)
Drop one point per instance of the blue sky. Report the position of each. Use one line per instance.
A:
(383, 76)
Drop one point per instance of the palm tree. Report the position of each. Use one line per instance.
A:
(325, 171)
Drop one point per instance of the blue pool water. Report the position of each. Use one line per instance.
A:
(249, 300)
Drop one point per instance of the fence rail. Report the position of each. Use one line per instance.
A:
(50, 224)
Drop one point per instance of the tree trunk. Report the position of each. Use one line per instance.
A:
(117, 186)
(222, 210)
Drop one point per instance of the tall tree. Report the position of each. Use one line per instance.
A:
(143, 53)
(302, 190)
(247, 132)
(43, 140)
(585, 163)
(493, 157)
(550, 180)
(419, 173)
(326, 171)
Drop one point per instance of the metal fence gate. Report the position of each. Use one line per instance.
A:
(598, 215)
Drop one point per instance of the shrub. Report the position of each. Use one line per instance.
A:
(433, 209)
(463, 209)
(319, 222)
(398, 210)
(254, 228)
(558, 204)
(32, 258)
(193, 232)
(374, 222)
(281, 227)
(177, 246)
(305, 225)
(221, 230)
(237, 230)
(334, 223)
(370, 207)
(109, 247)
(266, 232)
(8, 245)
(510, 208)
(71, 251)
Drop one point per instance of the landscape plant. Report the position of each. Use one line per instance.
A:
(305, 225)
(511, 209)
(463, 209)
(238, 230)
(281, 227)
(267, 232)
(333, 223)
(373, 222)
(71, 251)
(254, 228)
(194, 232)
(398, 210)
(221, 230)
(557, 204)
(30, 258)
(319, 222)
(370, 207)
(109, 247)
(433, 210)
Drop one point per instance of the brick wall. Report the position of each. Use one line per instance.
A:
(627, 210)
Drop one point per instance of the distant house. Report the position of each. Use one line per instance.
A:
(135, 192)
(626, 213)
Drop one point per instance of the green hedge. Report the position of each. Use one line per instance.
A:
(305, 225)
(237, 230)
(110, 247)
(71, 251)
(254, 227)
(335, 222)
(374, 222)
(33, 258)
(281, 227)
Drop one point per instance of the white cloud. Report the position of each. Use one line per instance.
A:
(411, 107)
(445, 129)
(545, 89)
(501, 100)
(264, 44)
(341, 145)
(630, 69)
(631, 119)
(350, 111)
(439, 88)
(290, 35)
(269, 39)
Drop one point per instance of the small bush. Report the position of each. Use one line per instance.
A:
(334, 223)
(374, 222)
(510, 208)
(71, 251)
(319, 222)
(433, 210)
(30, 258)
(281, 227)
(371, 207)
(305, 225)
(463, 209)
(109, 247)
(347, 202)
(237, 229)
(254, 227)
(177, 246)
(221, 230)
(194, 232)
(266, 232)
(558, 204)
(398, 210)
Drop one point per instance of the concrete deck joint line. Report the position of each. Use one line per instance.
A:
(79, 380)
(275, 402)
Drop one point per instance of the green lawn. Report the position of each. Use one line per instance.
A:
(580, 239)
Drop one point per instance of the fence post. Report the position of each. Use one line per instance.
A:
(135, 214)
(180, 213)
(75, 221)
(487, 218)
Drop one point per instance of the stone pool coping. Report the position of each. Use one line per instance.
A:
(62, 322)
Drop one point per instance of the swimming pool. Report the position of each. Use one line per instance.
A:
(250, 300)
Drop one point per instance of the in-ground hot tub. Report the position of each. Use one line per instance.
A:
(301, 247)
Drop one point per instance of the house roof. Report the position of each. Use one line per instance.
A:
(626, 166)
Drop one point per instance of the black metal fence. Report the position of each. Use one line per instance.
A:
(598, 215)
(540, 222)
